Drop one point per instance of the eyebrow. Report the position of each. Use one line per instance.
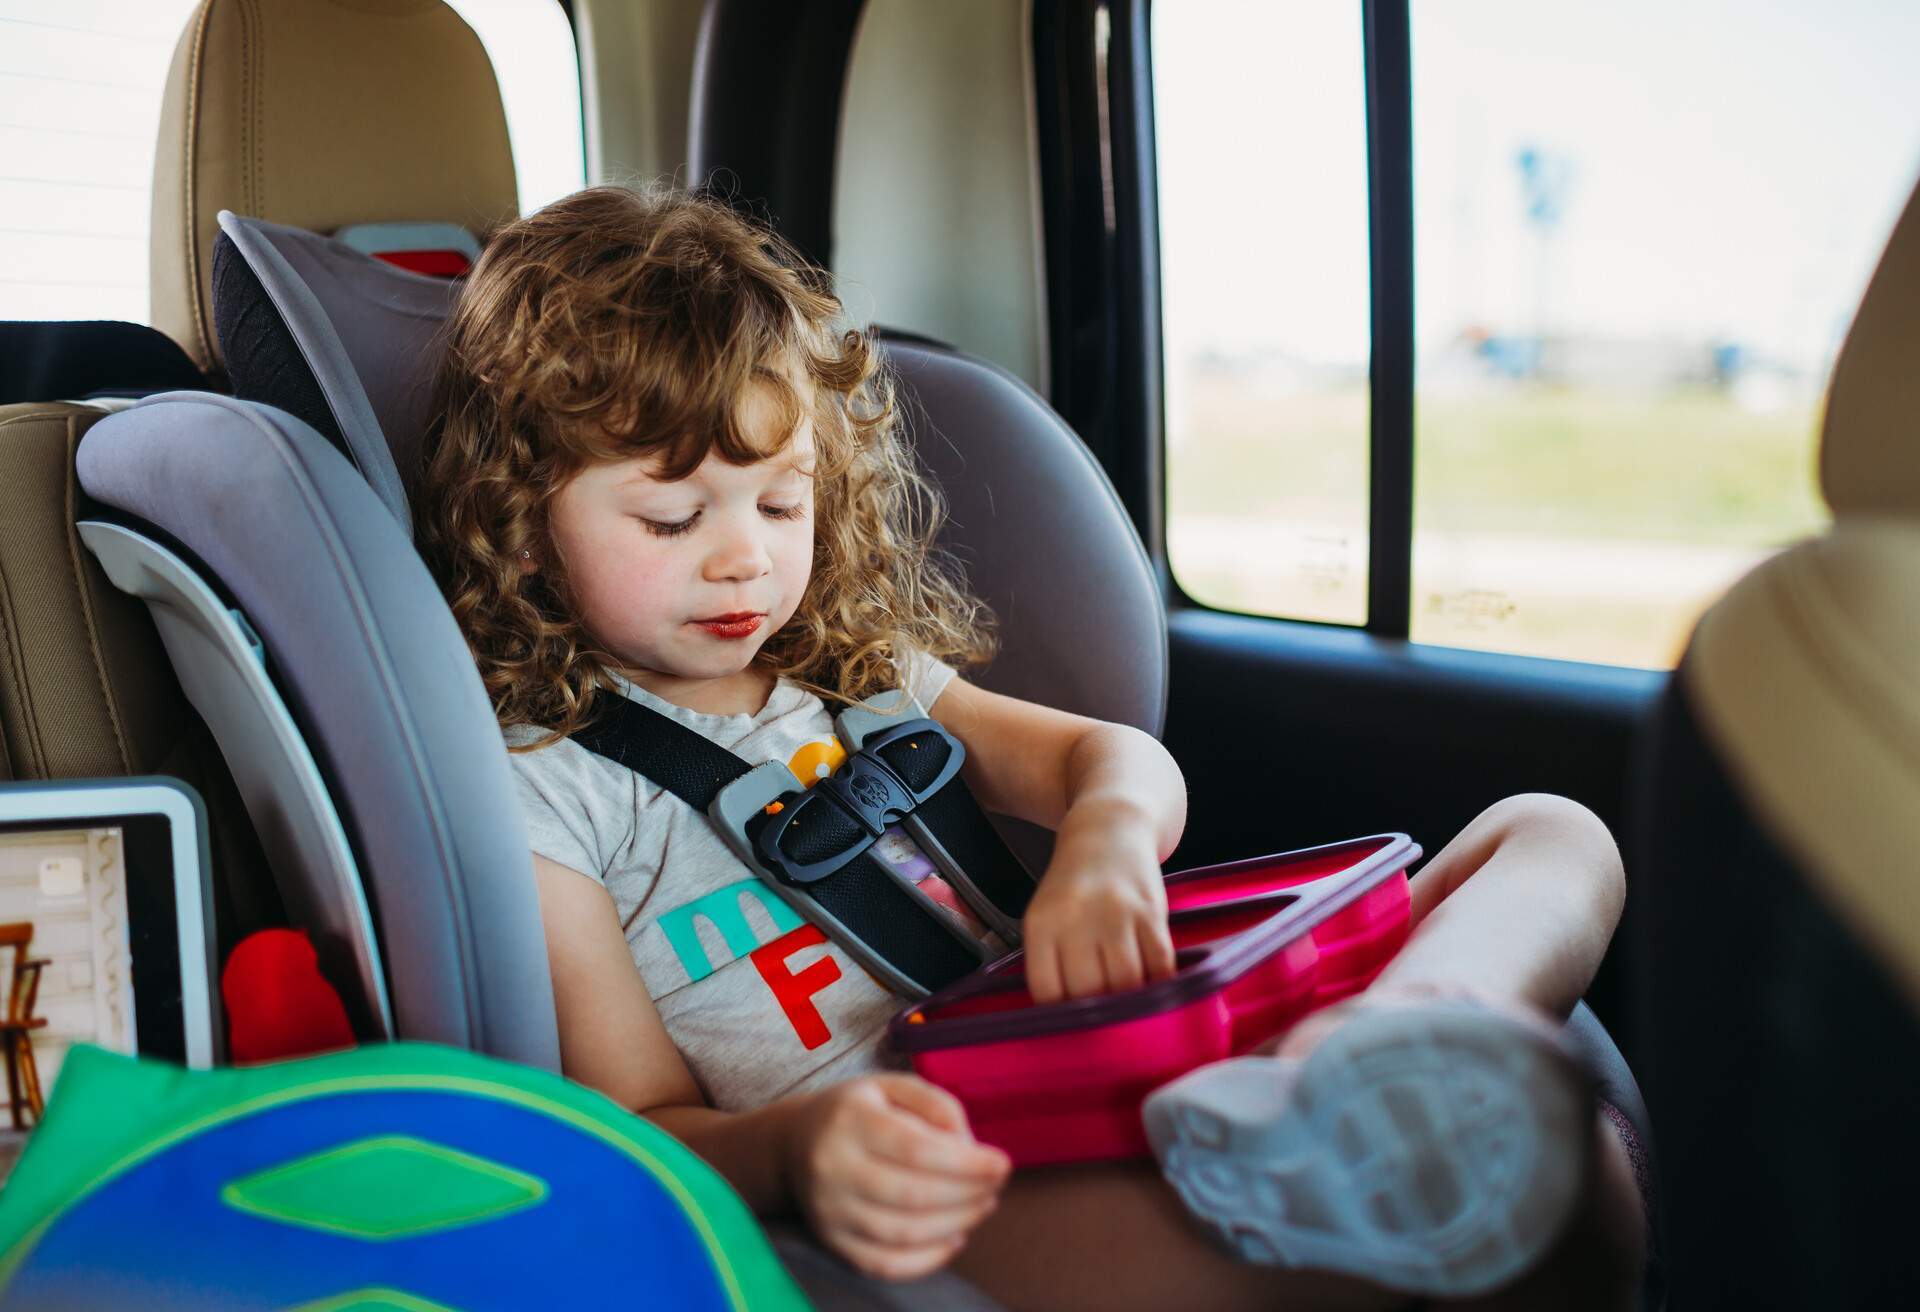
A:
(788, 462)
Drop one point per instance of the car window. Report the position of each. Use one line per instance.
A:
(1261, 135)
(1640, 232)
(79, 107)
(531, 46)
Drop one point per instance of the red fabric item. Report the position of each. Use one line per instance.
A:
(278, 1003)
(435, 264)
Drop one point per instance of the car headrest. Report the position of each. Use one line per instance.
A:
(316, 114)
(1806, 677)
(1870, 449)
(337, 338)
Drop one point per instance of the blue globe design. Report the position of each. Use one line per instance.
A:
(400, 1200)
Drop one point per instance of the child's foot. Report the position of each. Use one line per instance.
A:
(1436, 1147)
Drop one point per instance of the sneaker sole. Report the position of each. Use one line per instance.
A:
(1437, 1149)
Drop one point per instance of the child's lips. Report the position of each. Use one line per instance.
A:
(739, 624)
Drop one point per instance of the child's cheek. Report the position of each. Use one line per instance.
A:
(630, 597)
(796, 569)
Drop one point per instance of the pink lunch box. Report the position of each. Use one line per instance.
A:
(1258, 944)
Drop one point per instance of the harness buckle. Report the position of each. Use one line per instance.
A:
(867, 790)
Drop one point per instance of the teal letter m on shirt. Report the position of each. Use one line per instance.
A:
(722, 910)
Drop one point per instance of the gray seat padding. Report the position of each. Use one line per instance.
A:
(380, 682)
(1044, 539)
(367, 332)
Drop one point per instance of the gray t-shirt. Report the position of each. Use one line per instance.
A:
(758, 1002)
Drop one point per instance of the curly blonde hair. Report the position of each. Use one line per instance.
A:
(614, 324)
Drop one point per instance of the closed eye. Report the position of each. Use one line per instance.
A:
(798, 510)
(670, 530)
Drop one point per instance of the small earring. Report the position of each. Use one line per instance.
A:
(526, 553)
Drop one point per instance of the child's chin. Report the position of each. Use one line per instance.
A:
(718, 664)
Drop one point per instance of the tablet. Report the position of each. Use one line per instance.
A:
(114, 875)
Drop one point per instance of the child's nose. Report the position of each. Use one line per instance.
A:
(740, 554)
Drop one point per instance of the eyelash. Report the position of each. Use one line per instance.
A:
(674, 530)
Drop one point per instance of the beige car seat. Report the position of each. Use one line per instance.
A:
(1777, 877)
(85, 688)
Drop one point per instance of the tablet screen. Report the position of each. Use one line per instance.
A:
(97, 931)
(114, 893)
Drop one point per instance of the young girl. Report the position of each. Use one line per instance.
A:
(663, 471)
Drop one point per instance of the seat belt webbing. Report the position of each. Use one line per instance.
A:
(861, 895)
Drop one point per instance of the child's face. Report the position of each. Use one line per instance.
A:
(687, 579)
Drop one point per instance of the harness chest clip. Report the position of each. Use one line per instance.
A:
(865, 791)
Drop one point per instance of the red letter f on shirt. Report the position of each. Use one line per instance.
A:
(794, 992)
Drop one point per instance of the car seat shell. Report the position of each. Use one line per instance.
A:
(379, 681)
(222, 668)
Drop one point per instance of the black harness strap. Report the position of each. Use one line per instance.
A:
(687, 764)
(861, 895)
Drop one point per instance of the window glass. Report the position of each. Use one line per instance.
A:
(1260, 116)
(531, 47)
(80, 86)
(1641, 231)
(79, 107)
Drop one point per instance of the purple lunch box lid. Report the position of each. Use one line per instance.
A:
(1219, 963)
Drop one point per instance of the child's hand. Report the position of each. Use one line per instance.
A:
(1098, 921)
(890, 1176)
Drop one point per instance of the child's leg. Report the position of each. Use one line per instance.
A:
(1432, 1134)
(1113, 1237)
(1600, 1258)
(1519, 906)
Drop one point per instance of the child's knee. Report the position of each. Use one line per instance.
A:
(1549, 809)
(1564, 822)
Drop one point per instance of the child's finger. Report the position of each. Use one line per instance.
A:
(1043, 970)
(928, 1101)
(885, 1184)
(880, 1224)
(895, 1230)
(906, 1140)
(1120, 962)
(1156, 949)
(884, 1263)
(1080, 970)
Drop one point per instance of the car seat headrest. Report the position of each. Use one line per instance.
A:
(315, 114)
(1806, 678)
(1870, 449)
(341, 340)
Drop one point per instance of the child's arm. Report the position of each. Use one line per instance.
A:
(884, 1167)
(1098, 921)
